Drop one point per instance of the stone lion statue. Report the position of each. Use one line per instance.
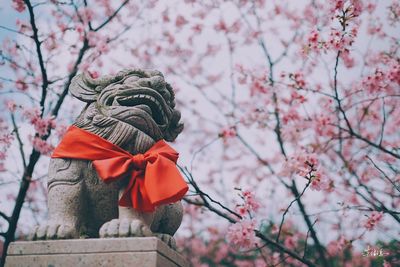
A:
(132, 109)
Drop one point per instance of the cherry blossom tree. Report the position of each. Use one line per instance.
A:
(291, 108)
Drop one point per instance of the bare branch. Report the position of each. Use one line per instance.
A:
(380, 147)
(384, 121)
(74, 71)
(4, 216)
(384, 174)
(319, 247)
(14, 31)
(204, 196)
(306, 243)
(43, 70)
(251, 149)
(20, 143)
(111, 17)
(374, 202)
(283, 249)
(287, 209)
(199, 150)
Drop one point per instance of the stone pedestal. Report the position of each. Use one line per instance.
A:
(134, 251)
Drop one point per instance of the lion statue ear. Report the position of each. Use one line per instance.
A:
(83, 88)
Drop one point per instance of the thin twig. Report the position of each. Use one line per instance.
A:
(287, 209)
(20, 143)
(251, 149)
(384, 174)
(305, 243)
(205, 197)
(200, 150)
(4, 216)
(358, 136)
(37, 42)
(15, 31)
(319, 247)
(111, 17)
(384, 121)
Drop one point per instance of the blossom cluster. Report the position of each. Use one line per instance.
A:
(383, 79)
(301, 163)
(336, 246)
(373, 220)
(41, 145)
(18, 5)
(306, 164)
(41, 125)
(250, 204)
(241, 234)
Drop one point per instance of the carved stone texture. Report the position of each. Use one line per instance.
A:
(132, 109)
(141, 251)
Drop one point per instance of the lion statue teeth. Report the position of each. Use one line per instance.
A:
(133, 110)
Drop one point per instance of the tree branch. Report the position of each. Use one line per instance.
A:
(74, 71)
(20, 144)
(284, 249)
(4, 216)
(43, 70)
(320, 248)
(397, 187)
(111, 17)
(204, 196)
(14, 31)
(287, 209)
(260, 235)
(251, 149)
(358, 136)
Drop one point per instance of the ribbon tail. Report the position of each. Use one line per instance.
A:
(135, 194)
(164, 181)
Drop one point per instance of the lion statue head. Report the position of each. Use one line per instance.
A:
(132, 109)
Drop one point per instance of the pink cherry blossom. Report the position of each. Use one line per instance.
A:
(42, 146)
(373, 219)
(180, 21)
(291, 242)
(21, 85)
(227, 133)
(41, 125)
(250, 202)
(320, 181)
(11, 105)
(348, 60)
(394, 12)
(18, 5)
(242, 234)
(337, 246)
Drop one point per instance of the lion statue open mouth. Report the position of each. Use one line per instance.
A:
(133, 110)
(136, 98)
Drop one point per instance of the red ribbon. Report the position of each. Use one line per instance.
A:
(155, 179)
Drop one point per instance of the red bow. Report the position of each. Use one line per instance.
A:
(155, 180)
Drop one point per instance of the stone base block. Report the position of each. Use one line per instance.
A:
(133, 251)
